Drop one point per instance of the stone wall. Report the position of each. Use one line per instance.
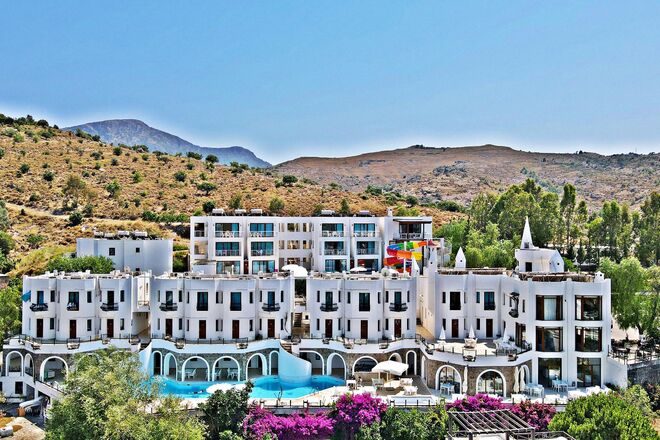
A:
(644, 372)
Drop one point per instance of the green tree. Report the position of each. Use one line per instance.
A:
(113, 188)
(208, 206)
(107, 396)
(289, 180)
(567, 210)
(611, 214)
(180, 176)
(75, 190)
(4, 216)
(6, 243)
(455, 232)
(345, 208)
(603, 417)
(10, 309)
(398, 424)
(75, 218)
(276, 205)
(206, 187)
(480, 210)
(98, 265)
(648, 249)
(236, 201)
(225, 411)
(212, 158)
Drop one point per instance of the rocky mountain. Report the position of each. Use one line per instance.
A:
(460, 173)
(135, 132)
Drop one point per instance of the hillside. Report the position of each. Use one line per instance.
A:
(37, 162)
(134, 132)
(461, 173)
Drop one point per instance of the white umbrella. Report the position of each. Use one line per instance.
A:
(505, 336)
(219, 387)
(443, 336)
(296, 270)
(465, 380)
(358, 269)
(471, 335)
(390, 367)
(239, 386)
(516, 384)
(523, 379)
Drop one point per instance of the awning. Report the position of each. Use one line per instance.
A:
(391, 367)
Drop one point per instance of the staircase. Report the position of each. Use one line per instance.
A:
(286, 346)
(143, 345)
(297, 320)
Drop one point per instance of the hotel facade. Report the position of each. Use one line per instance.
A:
(244, 307)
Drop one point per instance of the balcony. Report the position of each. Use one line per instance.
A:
(365, 234)
(272, 307)
(110, 307)
(227, 234)
(398, 307)
(200, 234)
(169, 307)
(262, 234)
(329, 307)
(334, 251)
(367, 251)
(261, 252)
(72, 307)
(332, 234)
(227, 252)
(39, 307)
(411, 235)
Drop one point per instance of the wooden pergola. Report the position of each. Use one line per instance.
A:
(471, 424)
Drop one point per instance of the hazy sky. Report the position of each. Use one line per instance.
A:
(333, 78)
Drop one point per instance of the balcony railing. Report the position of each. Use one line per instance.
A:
(411, 235)
(72, 307)
(261, 252)
(110, 307)
(260, 234)
(39, 307)
(271, 307)
(334, 251)
(227, 234)
(227, 252)
(365, 234)
(169, 307)
(329, 307)
(367, 251)
(398, 307)
(337, 234)
(200, 234)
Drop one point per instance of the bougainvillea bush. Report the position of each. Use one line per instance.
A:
(261, 423)
(538, 415)
(351, 412)
(478, 402)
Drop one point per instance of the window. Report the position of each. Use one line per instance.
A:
(588, 308)
(180, 323)
(348, 297)
(444, 297)
(180, 296)
(18, 388)
(251, 325)
(270, 298)
(52, 296)
(549, 339)
(478, 297)
(137, 250)
(478, 324)
(89, 297)
(588, 339)
(281, 324)
(121, 295)
(202, 301)
(263, 266)
(251, 297)
(89, 325)
(217, 325)
(318, 324)
(73, 299)
(111, 252)
(588, 371)
(489, 300)
(235, 304)
(364, 305)
(348, 324)
(397, 298)
(121, 324)
(52, 323)
(549, 369)
(528, 266)
(549, 308)
(454, 300)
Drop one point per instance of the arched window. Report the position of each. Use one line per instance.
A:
(491, 382)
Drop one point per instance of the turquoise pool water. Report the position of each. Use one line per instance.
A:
(266, 387)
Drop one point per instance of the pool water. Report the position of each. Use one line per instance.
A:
(265, 387)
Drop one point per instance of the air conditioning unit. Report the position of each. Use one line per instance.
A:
(239, 211)
(218, 211)
(327, 212)
(256, 211)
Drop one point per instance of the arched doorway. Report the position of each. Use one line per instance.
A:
(396, 357)
(273, 362)
(255, 366)
(226, 368)
(53, 369)
(450, 376)
(411, 360)
(364, 364)
(195, 369)
(157, 363)
(28, 365)
(315, 359)
(491, 382)
(14, 364)
(336, 366)
(171, 367)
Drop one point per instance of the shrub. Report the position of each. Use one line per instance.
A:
(276, 205)
(2, 153)
(97, 155)
(116, 151)
(75, 218)
(6, 243)
(180, 176)
(261, 423)
(206, 187)
(208, 206)
(225, 411)
(289, 180)
(34, 240)
(80, 264)
(236, 201)
(113, 188)
(48, 176)
(538, 415)
(24, 168)
(193, 155)
(212, 158)
(137, 177)
(478, 402)
(351, 412)
(603, 416)
(398, 424)
(114, 162)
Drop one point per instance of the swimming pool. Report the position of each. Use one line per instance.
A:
(265, 387)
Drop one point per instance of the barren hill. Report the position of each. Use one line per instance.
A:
(461, 173)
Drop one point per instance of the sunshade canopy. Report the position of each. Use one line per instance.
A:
(391, 367)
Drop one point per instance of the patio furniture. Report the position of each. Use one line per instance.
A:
(559, 385)
(534, 389)
(409, 390)
(406, 381)
(190, 374)
(351, 384)
(470, 342)
(448, 388)
(576, 394)
(50, 374)
(377, 382)
(392, 385)
(232, 374)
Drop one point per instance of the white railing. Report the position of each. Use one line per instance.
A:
(411, 235)
(227, 252)
(227, 234)
(337, 234)
(370, 251)
(261, 253)
(200, 234)
(334, 251)
(261, 234)
(365, 234)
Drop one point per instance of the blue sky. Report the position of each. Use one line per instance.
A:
(333, 78)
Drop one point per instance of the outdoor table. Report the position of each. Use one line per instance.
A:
(448, 388)
(351, 384)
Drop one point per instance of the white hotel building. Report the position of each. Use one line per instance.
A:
(237, 309)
